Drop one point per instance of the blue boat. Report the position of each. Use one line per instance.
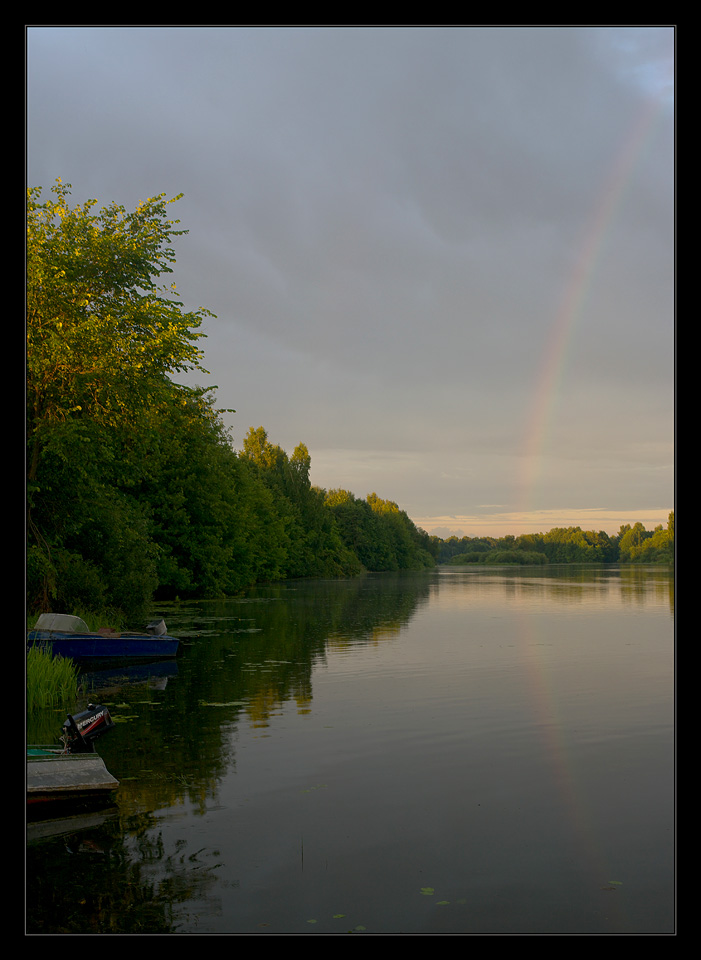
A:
(68, 636)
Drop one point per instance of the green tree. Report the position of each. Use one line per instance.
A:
(362, 530)
(638, 545)
(313, 544)
(102, 337)
(215, 523)
(630, 544)
(103, 340)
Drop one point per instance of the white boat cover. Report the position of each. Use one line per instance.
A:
(63, 622)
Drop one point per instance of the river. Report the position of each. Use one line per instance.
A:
(464, 750)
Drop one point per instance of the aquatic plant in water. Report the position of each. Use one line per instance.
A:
(51, 681)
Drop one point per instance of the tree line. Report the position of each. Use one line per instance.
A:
(632, 544)
(134, 489)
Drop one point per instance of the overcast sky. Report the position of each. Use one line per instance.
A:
(443, 258)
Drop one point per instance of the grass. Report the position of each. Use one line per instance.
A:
(51, 681)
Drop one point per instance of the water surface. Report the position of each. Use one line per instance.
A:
(465, 750)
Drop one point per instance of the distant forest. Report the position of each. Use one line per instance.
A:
(632, 544)
(134, 490)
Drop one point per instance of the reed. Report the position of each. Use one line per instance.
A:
(51, 681)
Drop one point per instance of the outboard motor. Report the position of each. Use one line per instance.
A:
(82, 729)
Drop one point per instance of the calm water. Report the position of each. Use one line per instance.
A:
(461, 750)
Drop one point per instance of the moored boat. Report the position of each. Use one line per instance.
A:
(73, 774)
(68, 636)
(66, 779)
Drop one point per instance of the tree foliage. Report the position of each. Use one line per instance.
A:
(380, 534)
(103, 340)
(564, 545)
(638, 545)
(313, 544)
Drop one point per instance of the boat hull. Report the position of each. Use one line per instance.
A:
(67, 780)
(90, 646)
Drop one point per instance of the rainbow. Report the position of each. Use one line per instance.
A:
(541, 416)
(555, 356)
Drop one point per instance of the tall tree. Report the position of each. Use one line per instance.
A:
(102, 337)
(103, 340)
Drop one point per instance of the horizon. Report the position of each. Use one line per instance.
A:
(540, 522)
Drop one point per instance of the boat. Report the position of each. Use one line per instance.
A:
(72, 775)
(66, 779)
(68, 636)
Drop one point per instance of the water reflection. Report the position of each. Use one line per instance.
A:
(566, 583)
(119, 877)
(440, 672)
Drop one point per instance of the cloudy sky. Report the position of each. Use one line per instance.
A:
(443, 258)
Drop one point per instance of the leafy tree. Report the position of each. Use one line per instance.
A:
(103, 340)
(638, 545)
(313, 544)
(630, 544)
(264, 454)
(566, 545)
(446, 550)
(102, 337)
(362, 530)
(205, 506)
(408, 547)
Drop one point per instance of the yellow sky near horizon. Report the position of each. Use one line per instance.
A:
(540, 521)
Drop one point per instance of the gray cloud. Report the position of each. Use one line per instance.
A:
(388, 223)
